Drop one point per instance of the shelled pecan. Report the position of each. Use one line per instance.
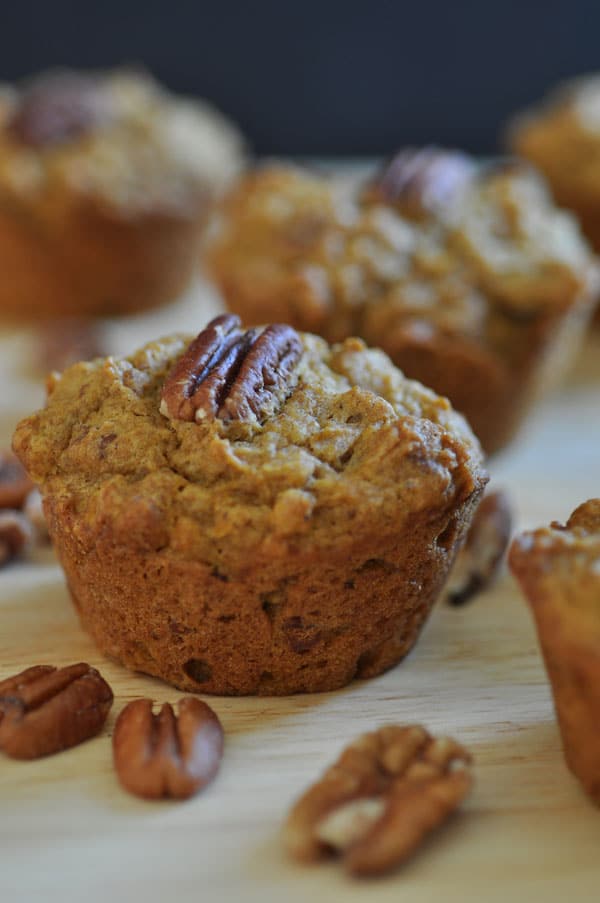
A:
(387, 791)
(479, 559)
(14, 482)
(16, 533)
(57, 107)
(231, 373)
(420, 181)
(44, 710)
(164, 755)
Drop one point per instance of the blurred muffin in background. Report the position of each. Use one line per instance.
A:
(105, 183)
(465, 274)
(561, 137)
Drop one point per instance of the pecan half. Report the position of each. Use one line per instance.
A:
(14, 482)
(479, 559)
(16, 533)
(45, 710)
(58, 106)
(420, 181)
(164, 755)
(387, 791)
(232, 374)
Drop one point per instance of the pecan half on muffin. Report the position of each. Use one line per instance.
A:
(558, 568)
(561, 136)
(253, 511)
(105, 181)
(466, 275)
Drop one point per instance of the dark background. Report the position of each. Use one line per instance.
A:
(325, 77)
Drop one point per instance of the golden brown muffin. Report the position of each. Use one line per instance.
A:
(260, 513)
(105, 181)
(562, 138)
(466, 276)
(558, 568)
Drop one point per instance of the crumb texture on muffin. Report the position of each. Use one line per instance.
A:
(134, 146)
(473, 292)
(244, 555)
(561, 136)
(106, 181)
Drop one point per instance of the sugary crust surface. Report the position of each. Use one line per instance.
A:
(108, 221)
(154, 152)
(282, 557)
(558, 568)
(474, 296)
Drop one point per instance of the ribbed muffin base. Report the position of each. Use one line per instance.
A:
(495, 394)
(94, 263)
(282, 626)
(573, 666)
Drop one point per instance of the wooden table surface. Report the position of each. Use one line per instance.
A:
(527, 833)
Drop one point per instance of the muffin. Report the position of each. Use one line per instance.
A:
(466, 276)
(561, 137)
(254, 512)
(105, 181)
(558, 568)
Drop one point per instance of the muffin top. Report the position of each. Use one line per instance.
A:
(115, 136)
(264, 440)
(559, 546)
(433, 239)
(562, 136)
(560, 564)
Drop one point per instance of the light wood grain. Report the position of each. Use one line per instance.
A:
(68, 832)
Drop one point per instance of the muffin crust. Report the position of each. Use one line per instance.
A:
(481, 295)
(558, 568)
(104, 185)
(238, 556)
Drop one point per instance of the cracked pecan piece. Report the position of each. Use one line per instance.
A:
(14, 482)
(422, 181)
(16, 533)
(167, 755)
(57, 107)
(44, 710)
(387, 791)
(231, 373)
(479, 560)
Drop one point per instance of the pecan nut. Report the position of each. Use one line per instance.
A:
(478, 561)
(58, 106)
(418, 182)
(231, 373)
(387, 791)
(16, 533)
(14, 482)
(44, 710)
(164, 755)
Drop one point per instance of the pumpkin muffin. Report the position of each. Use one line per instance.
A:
(467, 276)
(561, 137)
(254, 512)
(558, 568)
(105, 181)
